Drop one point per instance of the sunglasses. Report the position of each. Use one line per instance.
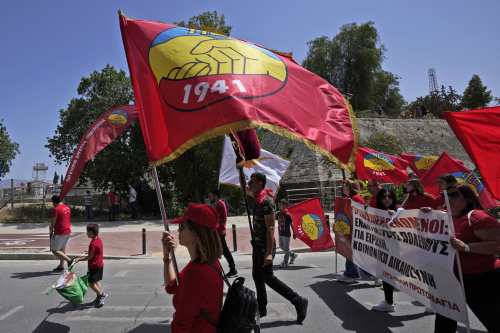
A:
(454, 194)
(387, 197)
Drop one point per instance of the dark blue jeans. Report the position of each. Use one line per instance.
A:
(263, 275)
(226, 252)
(89, 211)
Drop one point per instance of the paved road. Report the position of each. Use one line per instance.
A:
(138, 302)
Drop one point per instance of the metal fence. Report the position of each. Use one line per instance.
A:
(326, 195)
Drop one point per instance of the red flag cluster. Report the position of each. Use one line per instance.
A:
(373, 165)
(419, 164)
(310, 224)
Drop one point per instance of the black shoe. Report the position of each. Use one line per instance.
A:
(232, 273)
(71, 262)
(301, 307)
(58, 268)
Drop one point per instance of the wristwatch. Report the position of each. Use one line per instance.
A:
(466, 248)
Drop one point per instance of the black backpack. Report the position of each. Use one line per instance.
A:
(240, 312)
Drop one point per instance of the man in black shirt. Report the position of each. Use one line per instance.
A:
(264, 249)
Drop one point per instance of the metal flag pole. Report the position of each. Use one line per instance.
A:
(451, 229)
(165, 221)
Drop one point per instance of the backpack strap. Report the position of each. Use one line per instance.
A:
(468, 218)
(223, 276)
(203, 312)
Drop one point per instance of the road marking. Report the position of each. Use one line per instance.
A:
(124, 272)
(17, 308)
(120, 319)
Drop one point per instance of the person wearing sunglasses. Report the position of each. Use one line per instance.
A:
(418, 198)
(200, 285)
(351, 191)
(444, 181)
(477, 240)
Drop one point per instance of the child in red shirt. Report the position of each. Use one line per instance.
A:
(96, 265)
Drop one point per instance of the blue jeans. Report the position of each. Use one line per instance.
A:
(89, 211)
(351, 270)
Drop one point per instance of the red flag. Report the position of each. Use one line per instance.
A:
(310, 224)
(478, 132)
(102, 132)
(447, 164)
(246, 146)
(420, 164)
(191, 85)
(343, 227)
(372, 165)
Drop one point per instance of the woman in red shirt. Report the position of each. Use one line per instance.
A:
(478, 242)
(418, 197)
(444, 181)
(200, 285)
(351, 190)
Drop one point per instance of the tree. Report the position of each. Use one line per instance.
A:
(208, 20)
(475, 95)
(56, 178)
(8, 149)
(438, 101)
(62, 180)
(352, 62)
(385, 143)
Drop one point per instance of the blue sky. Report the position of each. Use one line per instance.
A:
(48, 46)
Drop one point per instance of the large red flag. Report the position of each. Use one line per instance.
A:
(343, 227)
(310, 224)
(447, 164)
(102, 132)
(419, 164)
(191, 85)
(372, 165)
(479, 134)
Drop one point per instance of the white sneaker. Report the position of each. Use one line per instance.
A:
(428, 310)
(384, 307)
(345, 279)
(377, 283)
(283, 264)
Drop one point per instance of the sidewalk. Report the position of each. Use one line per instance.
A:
(121, 240)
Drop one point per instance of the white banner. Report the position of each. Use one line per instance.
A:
(413, 255)
(272, 166)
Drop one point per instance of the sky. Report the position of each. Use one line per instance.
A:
(48, 46)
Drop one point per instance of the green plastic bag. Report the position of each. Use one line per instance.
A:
(72, 287)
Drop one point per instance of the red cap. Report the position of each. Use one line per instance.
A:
(201, 214)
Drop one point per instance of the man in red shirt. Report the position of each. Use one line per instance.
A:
(111, 203)
(220, 208)
(60, 230)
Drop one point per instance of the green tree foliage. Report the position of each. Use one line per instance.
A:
(8, 149)
(475, 95)
(352, 62)
(56, 178)
(208, 20)
(438, 101)
(385, 143)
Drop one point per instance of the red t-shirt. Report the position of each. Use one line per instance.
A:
(439, 201)
(221, 209)
(420, 201)
(62, 214)
(111, 197)
(201, 287)
(473, 263)
(95, 247)
(357, 198)
(373, 201)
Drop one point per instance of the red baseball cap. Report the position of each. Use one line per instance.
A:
(201, 214)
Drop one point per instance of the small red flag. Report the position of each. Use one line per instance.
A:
(310, 224)
(372, 165)
(343, 227)
(419, 164)
(478, 132)
(447, 164)
(102, 132)
(192, 85)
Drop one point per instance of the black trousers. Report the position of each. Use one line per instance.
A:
(483, 297)
(226, 252)
(133, 207)
(112, 213)
(263, 275)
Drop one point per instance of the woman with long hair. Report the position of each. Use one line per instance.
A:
(200, 285)
(417, 196)
(444, 181)
(351, 191)
(477, 238)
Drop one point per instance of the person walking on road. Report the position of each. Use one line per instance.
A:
(284, 223)
(88, 198)
(60, 230)
(111, 203)
(220, 208)
(264, 249)
(132, 201)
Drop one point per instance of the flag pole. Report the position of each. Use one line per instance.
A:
(451, 229)
(243, 184)
(165, 221)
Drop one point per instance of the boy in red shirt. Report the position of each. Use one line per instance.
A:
(96, 265)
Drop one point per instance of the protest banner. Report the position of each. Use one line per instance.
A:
(413, 254)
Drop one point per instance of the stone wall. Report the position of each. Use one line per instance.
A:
(421, 137)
